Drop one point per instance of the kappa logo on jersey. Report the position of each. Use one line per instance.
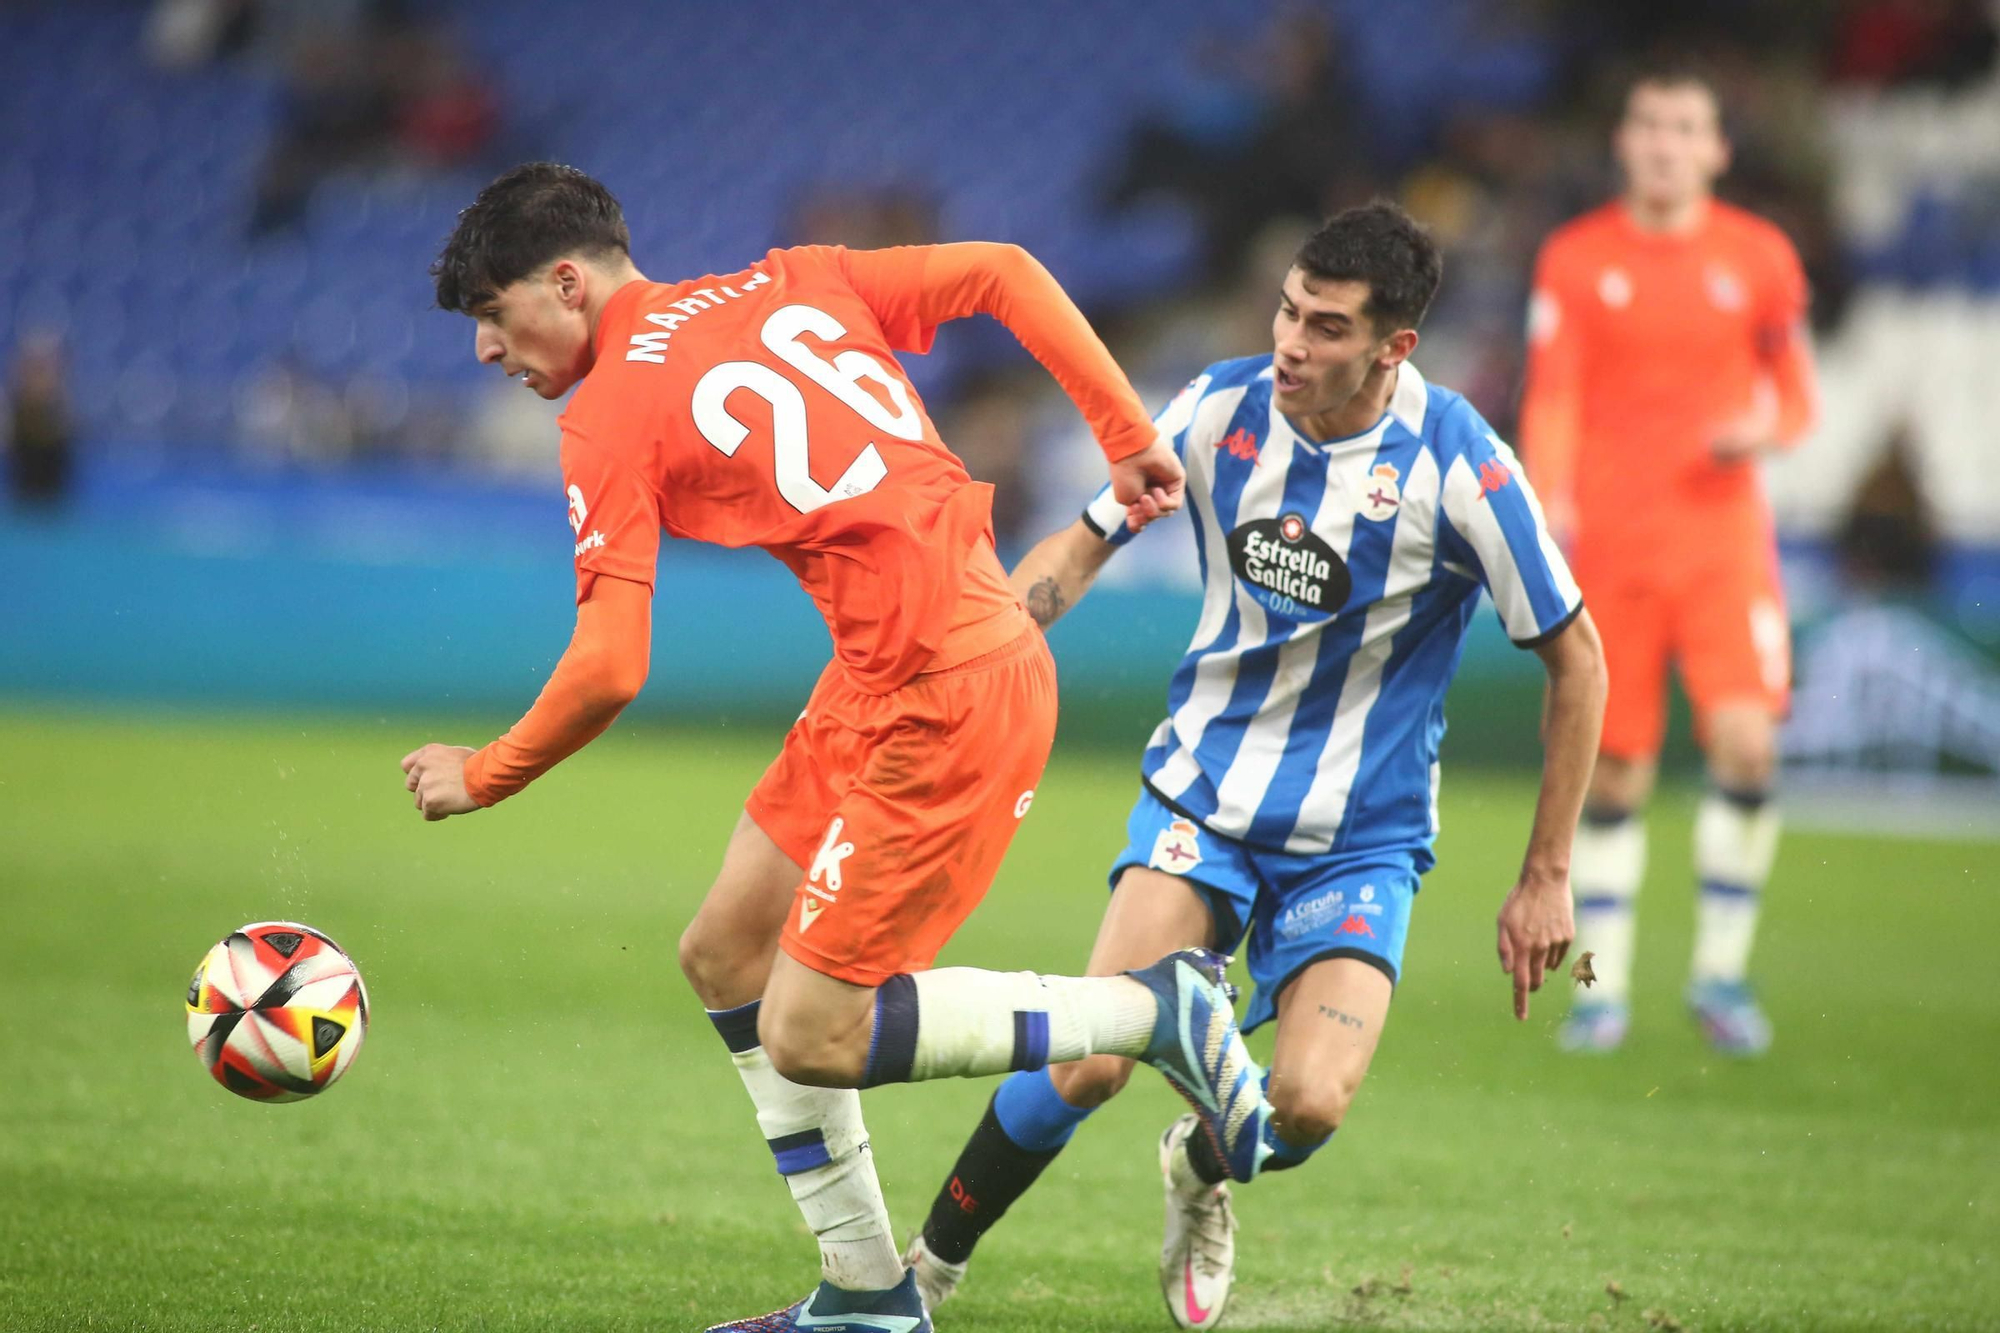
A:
(1178, 848)
(825, 870)
(1494, 475)
(1382, 499)
(1240, 443)
(1291, 572)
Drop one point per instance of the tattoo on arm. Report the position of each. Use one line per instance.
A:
(1046, 602)
(1345, 1020)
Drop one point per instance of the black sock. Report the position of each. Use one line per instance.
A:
(1210, 1170)
(1208, 1165)
(989, 1175)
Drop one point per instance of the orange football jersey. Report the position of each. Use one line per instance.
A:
(766, 408)
(1642, 347)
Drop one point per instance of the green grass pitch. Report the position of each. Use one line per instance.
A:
(543, 1133)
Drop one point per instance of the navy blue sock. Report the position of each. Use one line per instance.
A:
(892, 1047)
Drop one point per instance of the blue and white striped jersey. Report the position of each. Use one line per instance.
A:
(1339, 578)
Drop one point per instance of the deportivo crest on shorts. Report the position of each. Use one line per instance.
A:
(1178, 848)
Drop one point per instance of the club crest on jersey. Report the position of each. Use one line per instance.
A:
(1614, 288)
(1380, 499)
(1288, 569)
(1178, 848)
(1724, 291)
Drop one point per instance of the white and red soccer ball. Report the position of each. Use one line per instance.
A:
(276, 1012)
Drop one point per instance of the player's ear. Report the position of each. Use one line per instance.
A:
(1396, 348)
(570, 283)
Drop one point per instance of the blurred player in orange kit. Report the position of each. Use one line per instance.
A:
(766, 408)
(1667, 353)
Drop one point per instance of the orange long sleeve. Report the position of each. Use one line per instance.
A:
(1551, 428)
(913, 289)
(1793, 376)
(600, 672)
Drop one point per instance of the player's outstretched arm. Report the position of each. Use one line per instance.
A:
(600, 672)
(1055, 575)
(1536, 922)
(915, 288)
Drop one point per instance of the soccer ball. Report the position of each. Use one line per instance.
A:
(276, 1012)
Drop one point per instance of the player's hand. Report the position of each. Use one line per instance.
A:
(1149, 483)
(436, 774)
(1536, 928)
(1748, 436)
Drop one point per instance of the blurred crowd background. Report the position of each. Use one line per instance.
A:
(216, 217)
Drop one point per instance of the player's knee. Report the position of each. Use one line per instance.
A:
(1745, 764)
(712, 963)
(803, 1048)
(1089, 1083)
(1618, 786)
(1305, 1111)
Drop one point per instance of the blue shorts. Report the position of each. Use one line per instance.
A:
(1297, 910)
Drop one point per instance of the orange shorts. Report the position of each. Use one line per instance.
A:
(1723, 626)
(900, 806)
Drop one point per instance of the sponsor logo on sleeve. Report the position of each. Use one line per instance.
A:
(579, 514)
(1544, 317)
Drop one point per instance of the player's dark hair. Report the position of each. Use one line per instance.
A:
(1379, 244)
(1674, 70)
(527, 218)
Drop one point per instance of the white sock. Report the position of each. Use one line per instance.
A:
(1607, 865)
(962, 1022)
(821, 1148)
(1735, 843)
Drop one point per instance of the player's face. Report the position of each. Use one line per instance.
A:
(1324, 345)
(537, 329)
(1670, 143)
